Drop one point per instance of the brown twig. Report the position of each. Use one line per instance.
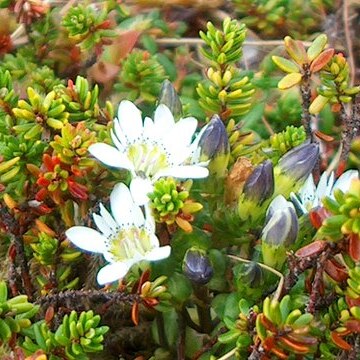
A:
(305, 89)
(349, 46)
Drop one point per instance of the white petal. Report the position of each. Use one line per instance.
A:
(130, 120)
(298, 204)
(149, 132)
(116, 141)
(110, 156)
(158, 253)
(112, 272)
(119, 133)
(322, 187)
(163, 120)
(184, 172)
(86, 238)
(139, 189)
(180, 135)
(122, 205)
(344, 181)
(108, 218)
(307, 193)
(102, 225)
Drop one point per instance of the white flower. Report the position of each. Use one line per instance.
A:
(150, 149)
(125, 237)
(310, 196)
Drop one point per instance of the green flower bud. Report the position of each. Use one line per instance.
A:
(197, 266)
(259, 186)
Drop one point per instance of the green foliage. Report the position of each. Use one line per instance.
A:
(226, 91)
(335, 85)
(287, 139)
(141, 76)
(78, 335)
(15, 313)
(39, 115)
(87, 26)
(344, 219)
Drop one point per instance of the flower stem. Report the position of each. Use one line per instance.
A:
(203, 308)
(181, 340)
(306, 100)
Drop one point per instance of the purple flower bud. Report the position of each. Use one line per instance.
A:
(169, 97)
(197, 266)
(259, 186)
(214, 140)
(299, 161)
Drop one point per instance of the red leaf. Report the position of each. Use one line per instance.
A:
(352, 302)
(321, 60)
(49, 314)
(353, 325)
(335, 270)
(354, 246)
(312, 249)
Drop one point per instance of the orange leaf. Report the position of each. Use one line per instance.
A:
(294, 346)
(321, 60)
(135, 313)
(323, 137)
(339, 341)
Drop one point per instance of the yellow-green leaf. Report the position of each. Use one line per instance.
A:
(289, 81)
(317, 47)
(296, 50)
(285, 64)
(318, 104)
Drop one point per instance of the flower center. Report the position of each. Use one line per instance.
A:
(129, 243)
(148, 159)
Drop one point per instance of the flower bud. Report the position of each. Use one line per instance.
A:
(197, 266)
(280, 231)
(214, 145)
(252, 275)
(169, 97)
(259, 186)
(214, 139)
(299, 161)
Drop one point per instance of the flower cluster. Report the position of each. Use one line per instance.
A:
(149, 150)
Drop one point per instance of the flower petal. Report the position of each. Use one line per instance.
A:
(86, 238)
(163, 120)
(110, 156)
(307, 193)
(184, 172)
(108, 218)
(183, 132)
(158, 253)
(102, 225)
(123, 208)
(112, 272)
(130, 120)
(344, 181)
(139, 189)
(116, 141)
(149, 132)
